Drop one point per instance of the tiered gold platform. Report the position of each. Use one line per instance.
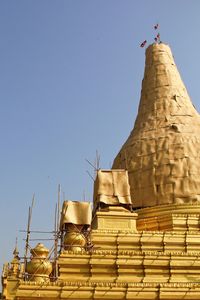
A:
(124, 264)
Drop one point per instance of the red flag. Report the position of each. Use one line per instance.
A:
(158, 36)
(143, 44)
(156, 26)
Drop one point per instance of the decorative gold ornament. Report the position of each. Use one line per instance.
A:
(15, 263)
(39, 267)
(74, 239)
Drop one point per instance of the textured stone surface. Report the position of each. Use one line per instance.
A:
(162, 153)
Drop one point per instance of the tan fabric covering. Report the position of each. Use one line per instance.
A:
(112, 187)
(162, 153)
(75, 212)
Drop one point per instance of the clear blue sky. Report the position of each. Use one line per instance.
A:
(70, 80)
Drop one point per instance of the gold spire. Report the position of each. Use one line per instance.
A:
(15, 251)
(162, 153)
(15, 262)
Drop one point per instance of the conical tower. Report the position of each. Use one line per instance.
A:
(162, 153)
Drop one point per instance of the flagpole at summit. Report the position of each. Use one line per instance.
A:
(156, 38)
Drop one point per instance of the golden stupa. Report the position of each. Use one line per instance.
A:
(141, 241)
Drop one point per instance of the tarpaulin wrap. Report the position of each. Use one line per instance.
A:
(78, 213)
(162, 153)
(112, 187)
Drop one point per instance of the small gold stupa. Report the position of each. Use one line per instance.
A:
(142, 239)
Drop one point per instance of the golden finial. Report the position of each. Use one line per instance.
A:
(15, 262)
(15, 251)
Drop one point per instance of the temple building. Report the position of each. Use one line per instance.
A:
(141, 237)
